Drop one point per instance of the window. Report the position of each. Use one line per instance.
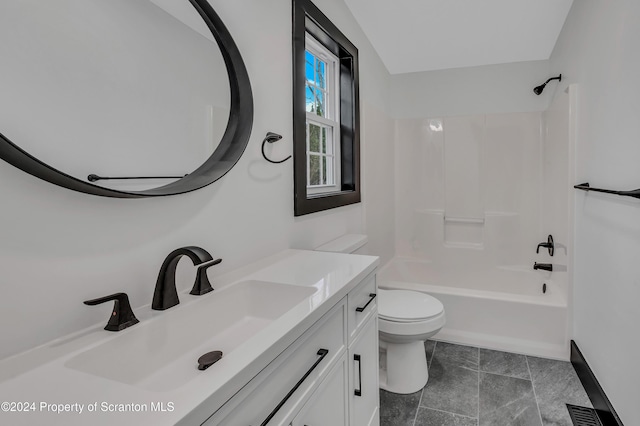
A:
(322, 106)
(326, 116)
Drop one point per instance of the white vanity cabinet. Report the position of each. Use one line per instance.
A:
(327, 377)
(299, 334)
(364, 399)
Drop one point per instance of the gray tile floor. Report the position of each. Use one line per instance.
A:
(469, 386)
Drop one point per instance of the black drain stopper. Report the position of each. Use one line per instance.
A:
(208, 359)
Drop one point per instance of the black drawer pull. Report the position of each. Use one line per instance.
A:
(372, 296)
(358, 392)
(322, 353)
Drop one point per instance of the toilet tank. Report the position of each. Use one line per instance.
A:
(348, 243)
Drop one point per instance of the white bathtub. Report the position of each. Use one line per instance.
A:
(498, 308)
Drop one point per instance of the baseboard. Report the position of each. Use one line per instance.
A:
(602, 405)
(501, 343)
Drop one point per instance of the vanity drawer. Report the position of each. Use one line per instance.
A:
(362, 302)
(296, 371)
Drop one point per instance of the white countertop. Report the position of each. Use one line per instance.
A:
(40, 381)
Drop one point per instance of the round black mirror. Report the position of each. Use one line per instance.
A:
(208, 109)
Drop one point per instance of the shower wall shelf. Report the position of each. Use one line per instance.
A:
(633, 193)
(476, 220)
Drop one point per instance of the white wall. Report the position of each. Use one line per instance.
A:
(59, 248)
(378, 169)
(598, 50)
(502, 88)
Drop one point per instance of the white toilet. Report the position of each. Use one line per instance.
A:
(405, 320)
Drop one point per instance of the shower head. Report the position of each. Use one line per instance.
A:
(537, 90)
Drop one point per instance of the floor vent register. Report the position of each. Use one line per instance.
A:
(583, 416)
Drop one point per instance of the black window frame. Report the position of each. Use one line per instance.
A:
(307, 18)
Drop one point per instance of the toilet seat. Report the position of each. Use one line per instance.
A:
(394, 330)
(406, 306)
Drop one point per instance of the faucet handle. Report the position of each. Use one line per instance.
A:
(202, 285)
(549, 245)
(122, 315)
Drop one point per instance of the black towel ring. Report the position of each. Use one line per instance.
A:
(271, 138)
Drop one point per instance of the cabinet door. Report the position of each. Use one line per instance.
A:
(328, 405)
(364, 397)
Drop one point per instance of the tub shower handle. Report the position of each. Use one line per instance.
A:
(362, 308)
(321, 353)
(549, 245)
(357, 358)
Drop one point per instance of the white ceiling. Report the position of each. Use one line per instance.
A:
(426, 35)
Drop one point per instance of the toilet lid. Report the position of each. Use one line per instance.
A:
(407, 306)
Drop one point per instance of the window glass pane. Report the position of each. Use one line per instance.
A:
(314, 138)
(321, 76)
(324, 170)
(310, 99)
(314, 170)
(320, 103)
(324, 140)
(309, 66)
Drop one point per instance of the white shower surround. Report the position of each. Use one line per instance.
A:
(475, 194)
(498, 308)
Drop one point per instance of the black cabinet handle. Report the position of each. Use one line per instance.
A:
(358, 392)
(322, 353)
(362, 308)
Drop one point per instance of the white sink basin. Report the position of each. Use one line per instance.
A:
(161, 354)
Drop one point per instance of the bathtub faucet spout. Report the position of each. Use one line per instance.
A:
(543, 266)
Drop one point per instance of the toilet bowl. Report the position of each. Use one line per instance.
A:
(405, 320)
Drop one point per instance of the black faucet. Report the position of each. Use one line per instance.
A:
(166, 295)
(122, 315)
(548, 245)
(543, 266)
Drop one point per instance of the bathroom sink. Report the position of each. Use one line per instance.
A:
(161, 354)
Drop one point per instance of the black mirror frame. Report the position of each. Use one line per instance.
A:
(226, 155)
(308, 18)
